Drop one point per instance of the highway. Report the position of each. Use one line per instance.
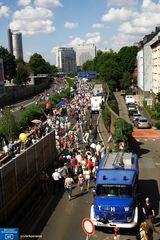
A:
(56, 218)
(65, 221)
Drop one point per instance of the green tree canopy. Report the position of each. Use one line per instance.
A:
(38, 64)
(127, 58)
(9, 63)
(21, 76)
(8, 125)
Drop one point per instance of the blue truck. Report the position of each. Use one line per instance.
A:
(116, 191)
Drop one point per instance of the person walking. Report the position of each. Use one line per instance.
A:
(148, 209)
(87, 177)
(142, 233)
(81, 181)
(150, 228)
(56, 181)
(68, 184)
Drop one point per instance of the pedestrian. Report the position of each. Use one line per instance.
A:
(68, 184)
(81, 181)
(148, 208)
(142, 234)
(56, 181)
(150, 228)
(87, 177)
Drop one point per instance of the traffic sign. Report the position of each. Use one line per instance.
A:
(87, 74)
(88, 226)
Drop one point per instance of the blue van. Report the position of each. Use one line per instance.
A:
(116, 191)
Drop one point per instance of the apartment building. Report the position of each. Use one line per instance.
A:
(156, 67)
(144, 63)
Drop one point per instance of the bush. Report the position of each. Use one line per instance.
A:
(37, 111)
(33, 112)
(123, 133)
(157, 125)
(106, 115)
(112, 102)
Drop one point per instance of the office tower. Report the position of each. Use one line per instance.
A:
(85, 52)
(10, 44)
(66, 60)
(15, 43)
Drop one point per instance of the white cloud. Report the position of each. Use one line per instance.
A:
(24, 2)
(32, 21)
(122, 14)
(94, 37)
(48, 3)
(143, 23)
(128, 28)
(76, 41)
(97, 25)
(122, 40)
(4, 11)
(70, 25)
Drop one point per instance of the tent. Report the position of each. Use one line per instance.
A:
(61, 103)
(102, 94)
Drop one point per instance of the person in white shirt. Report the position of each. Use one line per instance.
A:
(56, 181)
(87, 177)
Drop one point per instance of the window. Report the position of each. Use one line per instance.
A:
(113, 190)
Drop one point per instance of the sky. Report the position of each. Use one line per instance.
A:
(49, 24)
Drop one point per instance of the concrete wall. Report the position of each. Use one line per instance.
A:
(16, 93)
(20, 176)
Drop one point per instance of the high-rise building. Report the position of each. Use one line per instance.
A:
(66, 60)
(15, 43)
(85, 52)
(10, 44)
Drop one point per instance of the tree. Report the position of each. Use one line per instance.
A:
(53, 69)
(8, 125)
(21, 76)
(126, 80)
(127, 58)
(123, 133)
(88, 66)
(38, 64)
(9, 63)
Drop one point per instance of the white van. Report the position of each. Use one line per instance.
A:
(96, 103)
(129, 99)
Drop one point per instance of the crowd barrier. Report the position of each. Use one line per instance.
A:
(19, 176)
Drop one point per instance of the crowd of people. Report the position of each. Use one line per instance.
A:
(76, 140)
(147, 226)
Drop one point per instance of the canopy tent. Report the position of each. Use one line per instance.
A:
(102, 94)
(61, 103)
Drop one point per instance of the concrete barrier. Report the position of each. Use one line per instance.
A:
(20, 176)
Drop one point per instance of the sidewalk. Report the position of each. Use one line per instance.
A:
(104, 135)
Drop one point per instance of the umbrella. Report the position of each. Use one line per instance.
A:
(102, 94)
(61, 103)
(36, 121)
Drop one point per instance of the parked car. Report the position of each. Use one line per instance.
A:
(131, 106)
(136, 116)
(123, 92)
(142, 122)
(129, 99)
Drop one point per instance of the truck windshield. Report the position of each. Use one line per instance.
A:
(113, 190)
